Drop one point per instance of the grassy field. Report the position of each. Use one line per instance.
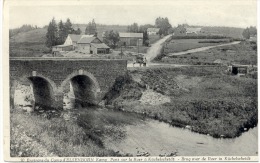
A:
(28, 49)
(38, 135)
(205, 98)
(242, 53)
(178, 45)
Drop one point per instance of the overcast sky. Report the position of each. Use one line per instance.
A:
(236, 13)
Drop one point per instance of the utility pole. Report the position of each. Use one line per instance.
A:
(138, 46)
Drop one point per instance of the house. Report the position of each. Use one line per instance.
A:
(92, 45)
(131, 39)
(72, 39)
(192, 30)
(153, 31)
(253, 38)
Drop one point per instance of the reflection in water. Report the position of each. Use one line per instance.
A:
(159, 138)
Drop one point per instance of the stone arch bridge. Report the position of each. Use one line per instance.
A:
(52, 78)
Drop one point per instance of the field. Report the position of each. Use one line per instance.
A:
(242, 53)
(205, 98)
(48, 134)
(178, 45)
(27, 49)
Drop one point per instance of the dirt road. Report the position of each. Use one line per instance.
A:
(153, 51)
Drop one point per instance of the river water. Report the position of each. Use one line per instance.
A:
(159, 138)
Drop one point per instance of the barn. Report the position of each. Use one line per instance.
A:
(92, 45)
(131, 39)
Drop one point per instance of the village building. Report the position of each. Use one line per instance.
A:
(131, 39)
(72, 39)
(193, 31)
(84, 43)
(153, 31)
(92, 45)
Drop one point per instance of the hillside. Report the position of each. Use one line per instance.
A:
(226, 31)
(38, 35)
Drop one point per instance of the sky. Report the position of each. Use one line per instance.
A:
(232, 13)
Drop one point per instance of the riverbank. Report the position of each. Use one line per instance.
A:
(203, 99)
(77, 133)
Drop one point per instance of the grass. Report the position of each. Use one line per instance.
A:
(205, 98)
(27, 49)
(242, 53)
(178, 45)
(34, 135)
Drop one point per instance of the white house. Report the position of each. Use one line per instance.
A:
(190, 30)
(72, 39)
(153, 31)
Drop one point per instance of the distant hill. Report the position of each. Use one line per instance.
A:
(39, 34)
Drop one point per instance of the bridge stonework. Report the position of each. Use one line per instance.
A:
(59, 71)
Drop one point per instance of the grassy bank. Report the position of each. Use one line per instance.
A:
(205, 98)
(36, 135)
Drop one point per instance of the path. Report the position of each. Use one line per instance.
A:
(202, 49)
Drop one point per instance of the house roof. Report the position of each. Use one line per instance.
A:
(100, 46)
(61, 46)
(153, 29)
(86, 40)
(74, 38)
(132, 35)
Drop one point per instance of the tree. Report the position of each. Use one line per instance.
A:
(52, 34)
(78, 31)
(111, 38)
(68, 27)
(163, 24)
(251, 31)
(133, 28)
(145, 38)
(246, 33)
(91, 28)
(61, 33)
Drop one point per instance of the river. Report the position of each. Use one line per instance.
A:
(159, 138)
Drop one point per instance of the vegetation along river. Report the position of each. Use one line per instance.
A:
(158, 138)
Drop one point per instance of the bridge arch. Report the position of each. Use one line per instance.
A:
(81, 86)
(31, 90)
